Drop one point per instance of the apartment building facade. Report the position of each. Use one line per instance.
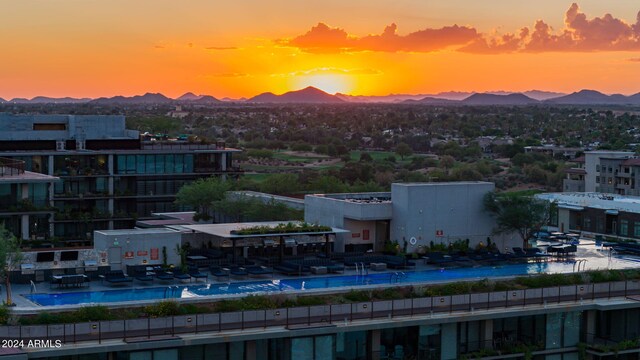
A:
(109, 176)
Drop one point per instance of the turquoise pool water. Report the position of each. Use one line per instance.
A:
(301, 284)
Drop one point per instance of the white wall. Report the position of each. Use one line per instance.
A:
(139, 243)
(456, 209)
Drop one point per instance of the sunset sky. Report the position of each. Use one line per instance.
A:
(93, 48)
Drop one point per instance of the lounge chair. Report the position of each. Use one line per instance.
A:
(163, 275)
(181, 275)
(218, 272)
(258, 270)
(289, 270)
(238, 271)
(196, 274)
(117, 277)
(143, 276)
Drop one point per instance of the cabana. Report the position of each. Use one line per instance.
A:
(272, 234)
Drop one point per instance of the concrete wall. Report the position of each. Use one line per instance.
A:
(455, 209)
(20, 127)
(136, 246)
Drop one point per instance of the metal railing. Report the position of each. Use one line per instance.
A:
(181, 146)
(319, 315)
(11, 167)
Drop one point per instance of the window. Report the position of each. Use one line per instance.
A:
(587, 223)
(624, 227)
(597, 168)
(597, 179)
(636, 229)
(49, 127)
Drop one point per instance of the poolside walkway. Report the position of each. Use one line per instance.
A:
(595, 258)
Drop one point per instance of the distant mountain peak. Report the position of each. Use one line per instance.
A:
(309, 94)
(493, 99)
(188, 96)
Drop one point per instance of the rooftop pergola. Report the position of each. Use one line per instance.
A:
(226, 233)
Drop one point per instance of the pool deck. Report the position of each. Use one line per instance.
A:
(596, 259)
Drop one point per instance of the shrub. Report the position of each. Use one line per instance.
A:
(163, 308)
(310, 301)
(356, 296)
(4, 314)
(92, 313)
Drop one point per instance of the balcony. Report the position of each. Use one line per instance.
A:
(11, 167)
(179, 145)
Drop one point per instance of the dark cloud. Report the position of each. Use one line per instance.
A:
(322, 38)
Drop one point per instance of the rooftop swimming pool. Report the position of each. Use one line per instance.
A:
(303, 284)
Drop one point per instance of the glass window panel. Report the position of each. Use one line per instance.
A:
(188, 163)
(131, 164)
(178, 165)
(141, 355)
(140, 164)
(120, 165)
(168, 164)
(324, 347)
(159, 168)
(165, 354)
(302, 348)
(150, 164)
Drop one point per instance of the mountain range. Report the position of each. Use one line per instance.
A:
(312, 95)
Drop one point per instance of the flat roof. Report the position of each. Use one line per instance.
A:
(224, 230)
(442, 183)
(575, 200)
(136, 231)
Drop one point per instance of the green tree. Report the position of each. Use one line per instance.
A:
(202, 193)
(281, 184)
(10, 255)
(403, 150)
(517, 212)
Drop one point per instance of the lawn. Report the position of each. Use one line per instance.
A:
(381, 156)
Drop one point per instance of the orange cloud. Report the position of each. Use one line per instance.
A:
(322, 38)
(221, 48)
(605, 33)
(579, 33)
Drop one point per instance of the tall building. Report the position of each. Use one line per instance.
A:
(602, 171)
(109, 176)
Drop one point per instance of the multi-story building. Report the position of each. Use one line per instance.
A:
(24, 200)
(109, 176)
(602, 171)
